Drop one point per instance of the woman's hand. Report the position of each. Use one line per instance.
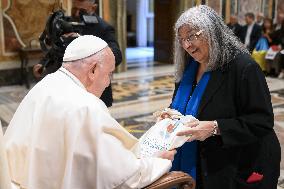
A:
(198, 130)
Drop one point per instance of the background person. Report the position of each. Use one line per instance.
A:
(100, 29)
(62, 135)
(260, 19)
(267, 29)
(251, 32)
(218, 82)
(277, 38)
(235, 26)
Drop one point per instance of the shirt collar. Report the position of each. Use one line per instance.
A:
(251, 24)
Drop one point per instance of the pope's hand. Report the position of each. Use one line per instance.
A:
(200, 130)
(167, 154)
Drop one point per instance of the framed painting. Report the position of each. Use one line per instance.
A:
(245, 6)
(216, 5)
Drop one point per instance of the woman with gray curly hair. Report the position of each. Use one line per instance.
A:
(233, 145)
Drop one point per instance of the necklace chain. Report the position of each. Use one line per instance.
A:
(76, 82)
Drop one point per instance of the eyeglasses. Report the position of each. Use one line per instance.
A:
(190, 39)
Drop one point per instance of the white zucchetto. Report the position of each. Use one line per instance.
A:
(82, 47)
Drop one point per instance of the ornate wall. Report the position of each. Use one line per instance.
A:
(21, 23)
(114, 12)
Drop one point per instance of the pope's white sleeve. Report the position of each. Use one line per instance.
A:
(150, 169)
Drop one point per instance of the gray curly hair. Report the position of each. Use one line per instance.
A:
(224, 46)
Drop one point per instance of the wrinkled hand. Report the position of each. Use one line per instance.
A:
(37, 70)
(198, 130)
(167, 154)
(166, 113)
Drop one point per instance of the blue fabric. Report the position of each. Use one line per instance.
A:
(262, 44)
(186, 157)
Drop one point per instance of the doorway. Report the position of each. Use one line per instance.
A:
(140, 33)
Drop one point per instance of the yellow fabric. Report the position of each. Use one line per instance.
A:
(259, 57)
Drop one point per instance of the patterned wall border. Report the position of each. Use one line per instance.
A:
(14, 28)
(66, 4)
(1, 29)
(217, 9)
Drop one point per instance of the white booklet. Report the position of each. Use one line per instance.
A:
(162, 136)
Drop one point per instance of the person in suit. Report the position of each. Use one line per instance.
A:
(251, 32)
(100, 29)
(277, 38)
(279, 16)
(260, 19)
(235, 26)
(233, 145)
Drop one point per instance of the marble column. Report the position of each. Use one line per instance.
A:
(185, 4)
(141, 23)
(198, 2)
(114, 12)
(228, 11)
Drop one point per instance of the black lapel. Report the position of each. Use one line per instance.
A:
(253, 29)
(245, 28)
(217, 77)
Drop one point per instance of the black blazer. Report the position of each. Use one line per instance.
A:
(105, 31)
(278, 37)
(100, 29)
(238, 98)
(236, 28)
(254, 37)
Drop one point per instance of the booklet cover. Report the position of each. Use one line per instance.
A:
(162, 136)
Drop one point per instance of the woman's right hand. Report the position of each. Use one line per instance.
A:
(198, 130)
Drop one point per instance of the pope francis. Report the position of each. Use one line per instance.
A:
(63, 137)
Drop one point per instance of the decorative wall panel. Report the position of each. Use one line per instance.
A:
(22, 21)
(245, 6)
(216, 5)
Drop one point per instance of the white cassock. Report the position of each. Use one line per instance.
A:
(63, 137)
